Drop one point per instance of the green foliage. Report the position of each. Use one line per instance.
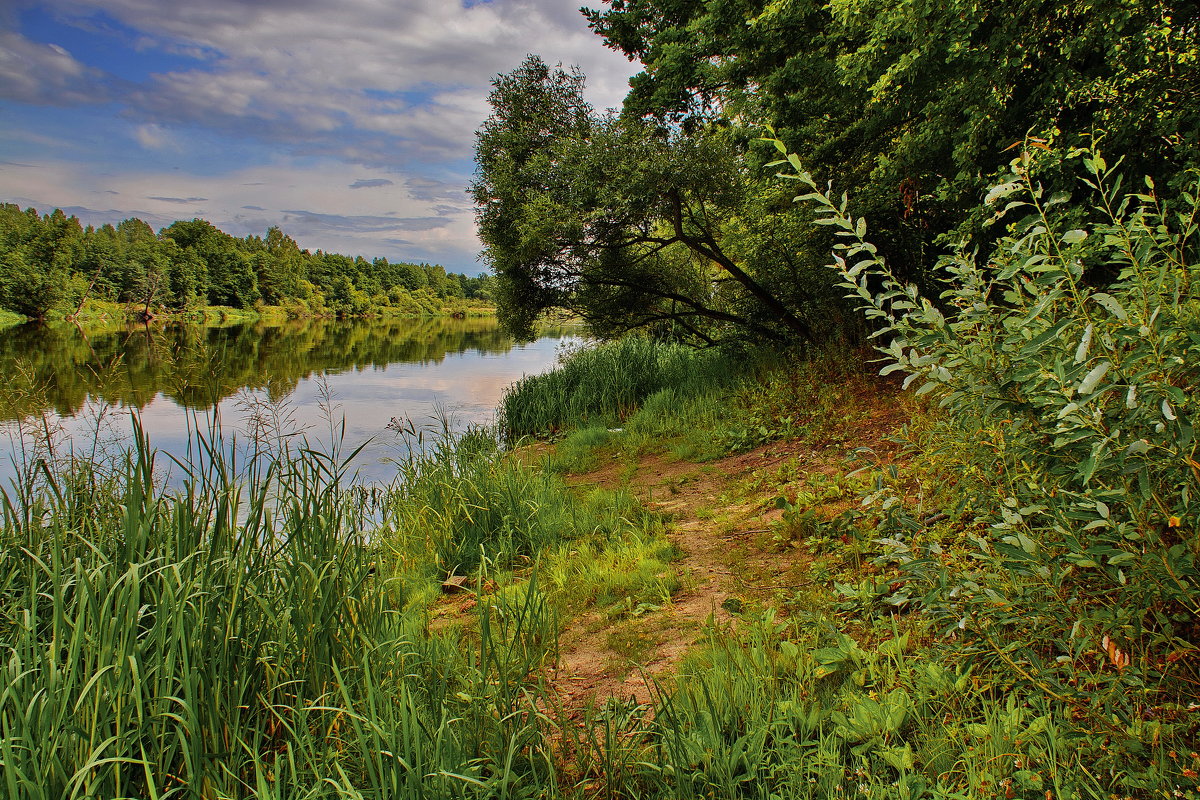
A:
(805, 713)
(650, 220)
(633, 226)
(244, 639)
(685, 419)
(471, 508)
(912, 105)
(601, 385)
(1070, 369)
(579, 451)
(532, 108)
(28, 290)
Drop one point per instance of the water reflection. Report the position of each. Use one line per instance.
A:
(369, 370)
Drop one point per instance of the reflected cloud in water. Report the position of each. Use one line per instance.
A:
(176, 379)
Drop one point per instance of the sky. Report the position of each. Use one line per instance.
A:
(348, 124)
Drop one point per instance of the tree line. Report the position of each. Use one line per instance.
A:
(666, 216)
(52, 263)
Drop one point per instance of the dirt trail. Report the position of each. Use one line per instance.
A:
(720, 519)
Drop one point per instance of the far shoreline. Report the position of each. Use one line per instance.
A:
(101, 314)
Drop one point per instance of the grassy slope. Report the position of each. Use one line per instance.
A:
(8, 319)
(802, 668)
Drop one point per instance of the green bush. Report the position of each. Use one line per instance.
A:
(1068, 356)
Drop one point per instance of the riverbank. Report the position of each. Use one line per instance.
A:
(99, 313)
(713, 581)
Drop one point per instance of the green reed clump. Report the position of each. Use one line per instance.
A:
(601, 385)
(242, 637)
(469, 507)
(580, 450)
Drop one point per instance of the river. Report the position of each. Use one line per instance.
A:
(336, 383)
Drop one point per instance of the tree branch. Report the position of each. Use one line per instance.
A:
(707, 246)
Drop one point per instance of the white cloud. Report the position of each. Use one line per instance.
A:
(304, 70)
(317, 205)
(44, 74)
(154, 137)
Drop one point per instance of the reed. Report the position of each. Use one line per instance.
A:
(601, 385)
(467, 507)
(244, 636)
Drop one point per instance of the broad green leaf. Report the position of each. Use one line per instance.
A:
(1110, 305)
(1074, 236)
(1093, 378)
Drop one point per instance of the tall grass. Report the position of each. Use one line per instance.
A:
(601, 385)
(243, 638)
(470, 508)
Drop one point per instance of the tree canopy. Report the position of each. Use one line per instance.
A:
(916, 104)
(632, 224)
(666, 216)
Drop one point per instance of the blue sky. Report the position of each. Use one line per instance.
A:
(349, 124)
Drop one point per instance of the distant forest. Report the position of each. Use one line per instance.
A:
(51, 263)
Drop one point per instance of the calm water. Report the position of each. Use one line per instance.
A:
(297, 377)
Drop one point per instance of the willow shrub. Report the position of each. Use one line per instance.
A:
(1075, 340)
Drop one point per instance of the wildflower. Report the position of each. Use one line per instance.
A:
(1173, 522)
